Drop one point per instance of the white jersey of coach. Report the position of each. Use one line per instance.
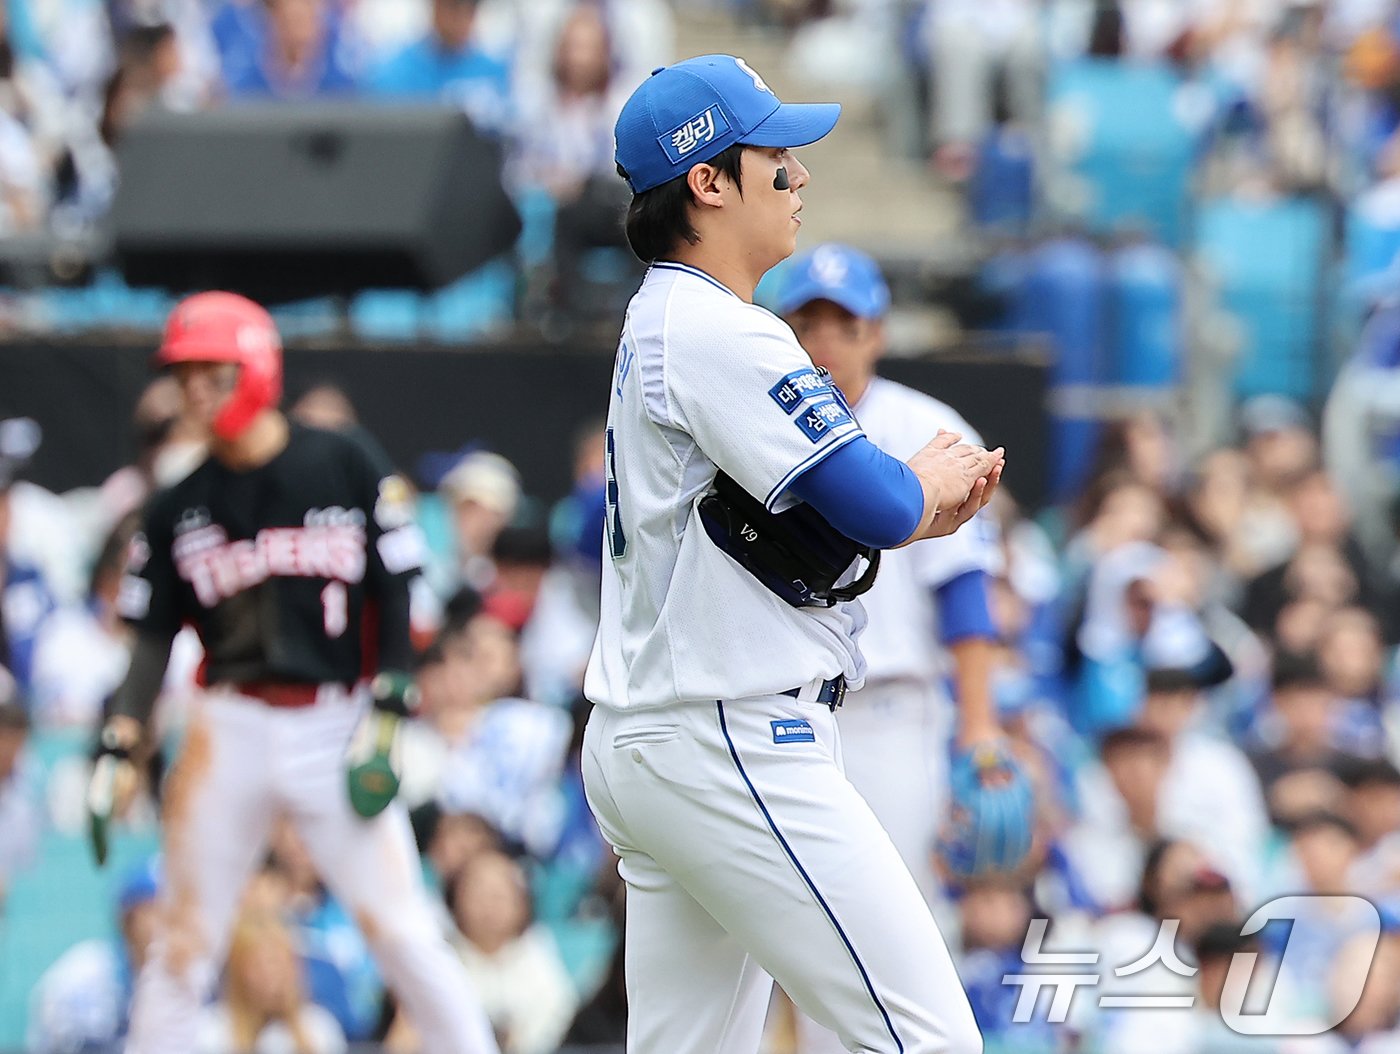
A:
(704, 380)
(901, 642)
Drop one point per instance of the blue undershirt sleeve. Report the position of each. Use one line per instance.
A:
(963, 608)
(864, 493)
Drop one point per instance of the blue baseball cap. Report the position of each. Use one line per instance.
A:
(845, 276)
(139, 885)
(685, 114)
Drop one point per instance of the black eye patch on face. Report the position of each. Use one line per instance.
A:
(780, 180)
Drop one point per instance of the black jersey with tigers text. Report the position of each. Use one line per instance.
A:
(283, 569)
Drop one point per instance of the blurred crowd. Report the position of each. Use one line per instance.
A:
(504, 617)
(1196, 665)
(1301, 77)
(1197, 654)
(547, 78)
(1304, 90)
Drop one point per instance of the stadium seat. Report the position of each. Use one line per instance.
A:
(1264, 261)
(1121, 151)
(1144, 319)
(1062, 295)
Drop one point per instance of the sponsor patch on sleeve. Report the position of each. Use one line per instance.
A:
(793, 731)
(821, 418)
(797, 386)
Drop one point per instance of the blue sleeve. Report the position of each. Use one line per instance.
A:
(963, 608)
(864, 493)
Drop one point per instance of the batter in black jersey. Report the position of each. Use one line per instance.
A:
(278, 566)
(290, 551)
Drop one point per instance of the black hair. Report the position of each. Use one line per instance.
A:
(658, 220)
(1322, 820)
(1221, 941)
(1296, 670)
(325, 383)
(424, 822)
(1356, 773)
(1130, 738)
(1171, 679)
(463, 606)
(141, 41)
(1147, 901)
(527, 546)
(1106, 34)
(433, 655)
(13, 717)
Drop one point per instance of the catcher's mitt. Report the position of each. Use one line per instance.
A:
(992, 816)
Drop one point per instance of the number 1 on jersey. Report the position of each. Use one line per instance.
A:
(617, 540)
(335, 607)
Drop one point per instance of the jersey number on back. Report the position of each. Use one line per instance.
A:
(617, 540)
(335, 607)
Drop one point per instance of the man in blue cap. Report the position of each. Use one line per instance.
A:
(930, 618)
(744, 505)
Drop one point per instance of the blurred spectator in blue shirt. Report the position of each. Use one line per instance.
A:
(337, 969)
(1352, 655)
(995, 914)
(80, 1003)
(448, 66)
(283, 49)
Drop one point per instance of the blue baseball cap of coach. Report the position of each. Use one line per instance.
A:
(845, 276)
(685, 114)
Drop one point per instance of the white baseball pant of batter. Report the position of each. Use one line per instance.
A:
(750, 860)
(244, 764)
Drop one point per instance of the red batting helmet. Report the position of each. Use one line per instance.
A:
(226, 327)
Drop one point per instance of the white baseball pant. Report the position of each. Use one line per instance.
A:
(245, 763)
(894, 744)
(749, 857)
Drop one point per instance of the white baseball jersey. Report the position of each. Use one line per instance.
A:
(705, 381)
(901, 642)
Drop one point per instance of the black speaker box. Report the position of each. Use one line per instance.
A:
(285, 201)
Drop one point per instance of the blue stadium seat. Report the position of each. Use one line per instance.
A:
(1265, 262)
(1062, 295)
(465, 310)
(1121, 149)
(107, 302)
(1145, 331)
(1002, 195)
